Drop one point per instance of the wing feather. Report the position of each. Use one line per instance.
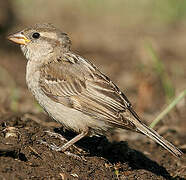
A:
(79, 85)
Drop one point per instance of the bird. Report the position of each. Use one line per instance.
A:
(73, 91)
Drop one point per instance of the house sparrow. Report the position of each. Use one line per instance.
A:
(73, 91)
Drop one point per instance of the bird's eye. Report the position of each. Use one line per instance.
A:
(36, 35)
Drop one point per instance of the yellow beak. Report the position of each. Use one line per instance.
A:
(18, 38)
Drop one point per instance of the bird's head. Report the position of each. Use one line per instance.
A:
(41, 40)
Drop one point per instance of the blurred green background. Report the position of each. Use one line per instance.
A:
(140, 45)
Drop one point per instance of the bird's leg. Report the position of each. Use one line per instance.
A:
(74, 140)
(67, 144)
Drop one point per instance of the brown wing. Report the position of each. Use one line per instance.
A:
(76, 83)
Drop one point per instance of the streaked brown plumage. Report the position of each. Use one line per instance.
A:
(73, 91)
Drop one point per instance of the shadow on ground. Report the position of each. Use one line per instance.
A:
(117, 152)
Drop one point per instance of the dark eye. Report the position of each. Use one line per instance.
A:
(36, 35)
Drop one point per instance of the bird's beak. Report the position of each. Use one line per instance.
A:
(18, 38)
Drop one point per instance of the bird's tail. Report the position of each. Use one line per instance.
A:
(159, 139)
(149, 132)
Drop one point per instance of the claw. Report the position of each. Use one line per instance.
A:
(56, 148)
(66, 145)
(56, 135)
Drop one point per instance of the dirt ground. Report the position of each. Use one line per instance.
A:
(23, 157)
(121, 51)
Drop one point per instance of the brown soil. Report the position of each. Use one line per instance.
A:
(23, 157)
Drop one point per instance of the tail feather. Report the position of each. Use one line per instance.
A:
(149, 132)
(159, 139)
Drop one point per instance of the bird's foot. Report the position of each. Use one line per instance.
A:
(56, 135)
(62, 138)
(66, 145)
(54, 147)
